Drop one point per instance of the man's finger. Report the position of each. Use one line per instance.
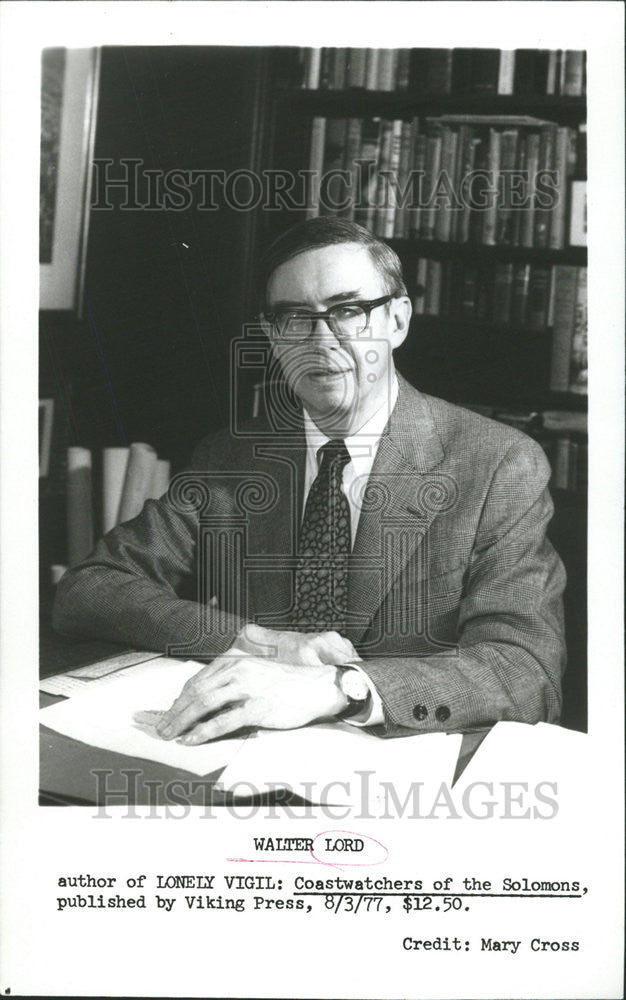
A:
(221, 725)
(188, 708)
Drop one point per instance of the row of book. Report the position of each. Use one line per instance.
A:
(514, 181)
(446, 71)
(517, 295)
(563, 436)
(130, 476)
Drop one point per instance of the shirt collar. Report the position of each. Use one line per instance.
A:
(369, 434)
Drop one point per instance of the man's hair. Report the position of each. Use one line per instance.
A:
(326, 232)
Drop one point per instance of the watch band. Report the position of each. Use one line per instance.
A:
(355, 705)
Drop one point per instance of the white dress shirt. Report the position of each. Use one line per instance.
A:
(362, 447)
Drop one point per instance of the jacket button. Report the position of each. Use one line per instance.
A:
(442, 713)
(420, 712)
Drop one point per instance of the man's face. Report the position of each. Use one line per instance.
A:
(341, 382)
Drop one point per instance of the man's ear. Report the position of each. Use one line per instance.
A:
(400, 311)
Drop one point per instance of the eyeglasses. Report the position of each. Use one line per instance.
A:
(346, 320)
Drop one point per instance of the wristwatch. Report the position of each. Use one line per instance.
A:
(355, 688)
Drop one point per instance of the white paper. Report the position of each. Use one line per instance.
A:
(120, 713)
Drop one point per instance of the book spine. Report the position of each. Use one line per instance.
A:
(391, 199)
(544, 197)
(573, 74)
(465, 188)
(316, 165)
(439, 71)
(565, 281)
(578, 214)
(560, 471)
(433, 163)
(527, 226)
(407, 140)
(339, 69)
(370, 155)
(557, 221)
(506, 73)
(490, 215)
(326, 69)
(538, 298)
(508, 159)
(418, 185)
(312, 68)
(371, 68)
(356, 68)
(403, 69)
(485, 71)
(386, 69)
(578, 360)
(519, 298)
(502, 293)
(469, 293)
(552, 72)
(444, 209)
(333, 191)
(353, 150)
(382, 185)
(421, 276)
(433, 288)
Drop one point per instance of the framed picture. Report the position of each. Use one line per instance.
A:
(69, 88)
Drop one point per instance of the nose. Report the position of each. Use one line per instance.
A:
(322, 331)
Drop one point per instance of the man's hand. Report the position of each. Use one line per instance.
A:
(307, 649)
(248, 691)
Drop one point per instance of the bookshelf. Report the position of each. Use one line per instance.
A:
(485, 356)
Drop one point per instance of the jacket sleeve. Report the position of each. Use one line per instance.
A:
(510, 651)
(131, 588)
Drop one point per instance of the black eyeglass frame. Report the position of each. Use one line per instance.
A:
(366, 306)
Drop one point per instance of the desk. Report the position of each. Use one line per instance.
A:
(73, 773)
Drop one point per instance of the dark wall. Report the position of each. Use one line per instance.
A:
(165, 290)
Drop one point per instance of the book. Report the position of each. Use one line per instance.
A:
(527, 225)
(332, 188)
(407, 142)
(538, 298)
(578, 214)
(387, 63)
(502, 293)
(316, 165)
(355, 74)
(312, 67)
(490, 212)
(506, 71)
(484, 71)
(544, 188)
(371, 68)
(403, 69)
(419, 185)
(445, 185)
(432, 297)
(573, 74)
(467, 305)
(504, 209)
(421, 275)
(578, 359)
(468, 160)
(352, 153)
(340, 62)
(565, 290)
(391, 199)
(80, 529)
(431, 175)
(519, 298)
(562, 168)
(383, 192)
(370, 153)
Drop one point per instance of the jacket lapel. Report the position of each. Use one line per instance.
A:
(397, 508)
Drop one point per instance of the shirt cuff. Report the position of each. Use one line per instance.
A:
(375, 716)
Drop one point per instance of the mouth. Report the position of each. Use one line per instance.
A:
(328, 373)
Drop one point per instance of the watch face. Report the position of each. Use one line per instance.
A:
(354, 685)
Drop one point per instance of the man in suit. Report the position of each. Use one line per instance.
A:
(378, 555)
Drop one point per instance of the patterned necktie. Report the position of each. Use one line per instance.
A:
(321, 586)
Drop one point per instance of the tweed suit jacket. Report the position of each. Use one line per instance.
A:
(455, 593)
